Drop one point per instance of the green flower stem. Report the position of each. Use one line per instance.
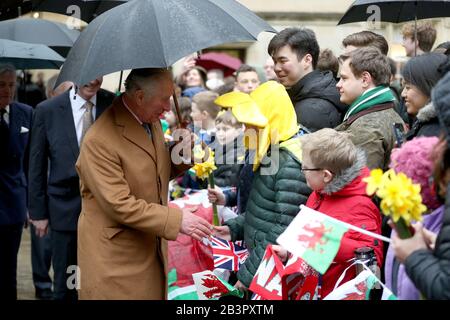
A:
(402, 229)
(216, 221)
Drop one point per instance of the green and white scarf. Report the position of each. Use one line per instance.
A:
(372, 97)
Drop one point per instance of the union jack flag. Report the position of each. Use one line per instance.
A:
(228, 255)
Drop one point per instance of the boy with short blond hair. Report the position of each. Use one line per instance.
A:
(335, 168)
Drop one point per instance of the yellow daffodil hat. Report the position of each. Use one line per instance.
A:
(243, 107)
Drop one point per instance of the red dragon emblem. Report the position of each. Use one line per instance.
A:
(217, 288)
(317, 235)
(362, 287)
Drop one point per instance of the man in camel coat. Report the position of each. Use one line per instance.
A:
(124, 168)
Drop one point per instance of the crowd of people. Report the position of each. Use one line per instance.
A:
(306, 132)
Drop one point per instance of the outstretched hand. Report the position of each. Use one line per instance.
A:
(195, 226)
(222, 232)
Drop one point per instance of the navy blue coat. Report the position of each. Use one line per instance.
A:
(54, 185)
(13, 166)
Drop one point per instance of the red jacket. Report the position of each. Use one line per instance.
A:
(351, 205)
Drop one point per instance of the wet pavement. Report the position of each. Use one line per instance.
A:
(25, 288)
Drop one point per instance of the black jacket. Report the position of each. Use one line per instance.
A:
(430, 270)
(14, 146)
(239, 196)
(54, 190)
(426, 125)
(229, 160)
(317, 101)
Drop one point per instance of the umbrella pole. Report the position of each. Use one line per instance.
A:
(177, 108)
(120, 83)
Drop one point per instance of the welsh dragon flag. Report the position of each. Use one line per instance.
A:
(359, 288)
(211, 287)
(314, 237)
(356, 289)
(275, 281)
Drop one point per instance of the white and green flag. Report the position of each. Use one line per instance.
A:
(359, 288)
(356, 289)
(179, 293)
(314, 237)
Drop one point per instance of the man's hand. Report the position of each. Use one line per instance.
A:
(222, 232)
(404, 248)
(216, 196)
(41, 227)
(195, 226)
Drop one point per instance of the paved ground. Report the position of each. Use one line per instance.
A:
(25, 288)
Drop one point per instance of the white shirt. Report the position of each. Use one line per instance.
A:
(6, 115)
(78, 109)
(149, 132)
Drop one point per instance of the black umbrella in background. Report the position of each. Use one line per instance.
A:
(89, 9)
(396, 11)
(156, 34)
(10, 9)
(28, 55)
(53, 34)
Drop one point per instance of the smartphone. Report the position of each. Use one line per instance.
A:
(399, 134)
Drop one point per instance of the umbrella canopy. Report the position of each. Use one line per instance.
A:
(89, 9)
(53, 34)
(397, 11)
(218, 60)
(155, 34)
(28, 55)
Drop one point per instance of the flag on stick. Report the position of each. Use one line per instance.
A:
(210, 287)
(275, 281)
(228, 255)
(314, 238)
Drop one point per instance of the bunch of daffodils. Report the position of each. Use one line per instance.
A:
(400, 198)
(205, 170)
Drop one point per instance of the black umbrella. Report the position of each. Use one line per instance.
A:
(155, 34)
(396, 11)
(10, 9)
(53, 34)
(89, 9)
(28, 55)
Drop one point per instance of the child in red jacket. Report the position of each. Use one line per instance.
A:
(334, 168)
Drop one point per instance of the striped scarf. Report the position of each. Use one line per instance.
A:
(372, 97)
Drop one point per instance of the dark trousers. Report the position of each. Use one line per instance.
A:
(41, 257)
(64, 249)
(10, 236)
